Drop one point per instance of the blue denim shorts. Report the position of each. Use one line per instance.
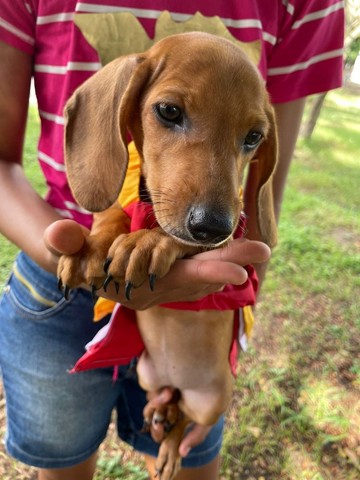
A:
(56, 419)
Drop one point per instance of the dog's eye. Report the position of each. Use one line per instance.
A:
(252, 140)
(169, 114)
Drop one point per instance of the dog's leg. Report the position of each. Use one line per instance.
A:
(168, 462)
(89, 264)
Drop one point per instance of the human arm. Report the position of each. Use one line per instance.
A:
(20, 206)
(288, 118)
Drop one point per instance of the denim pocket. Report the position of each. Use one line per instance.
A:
(33, 291)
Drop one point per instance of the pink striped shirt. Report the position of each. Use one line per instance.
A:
(301, 54)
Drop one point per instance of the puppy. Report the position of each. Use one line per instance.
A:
(198, 112)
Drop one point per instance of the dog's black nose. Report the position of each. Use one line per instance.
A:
(208, 225)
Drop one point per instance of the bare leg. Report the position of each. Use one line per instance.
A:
(83, 471)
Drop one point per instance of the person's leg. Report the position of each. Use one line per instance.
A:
(210, 471)
(83, 471)
(55, 420)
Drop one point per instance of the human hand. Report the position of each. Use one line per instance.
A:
(188, 279)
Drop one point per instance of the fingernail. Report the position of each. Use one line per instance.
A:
(185, 451)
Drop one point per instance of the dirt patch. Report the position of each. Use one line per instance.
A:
(347, 239)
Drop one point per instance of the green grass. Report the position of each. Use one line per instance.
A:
(114, 468)
(296, 410)
(296, 413)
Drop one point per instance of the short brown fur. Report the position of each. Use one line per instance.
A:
(200, 162)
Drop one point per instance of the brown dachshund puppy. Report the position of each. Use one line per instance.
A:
(198, 112)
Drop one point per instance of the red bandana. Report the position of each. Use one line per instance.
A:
(120, 341)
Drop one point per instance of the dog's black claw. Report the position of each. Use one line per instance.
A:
(107, 281)
(60, 284)
(93, 293)
(152, 280)
(128, 288)
(146, 426)
(66, 292)
(107, 264)
(117, 287)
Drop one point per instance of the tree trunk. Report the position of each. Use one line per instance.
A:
(309, 126)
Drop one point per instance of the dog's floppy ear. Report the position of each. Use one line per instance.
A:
(259, 200)
(97, 118)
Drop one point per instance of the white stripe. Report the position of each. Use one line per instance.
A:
(59, 167)
(304, 65)
(319, 14)
(52, 117)
(57, 17)
(289, 7)
(84, 66)
(267, 37)
(154, 14)
(64, 213)
(28, 7)
(178, 17)
(71, 66)
(17, 32)
(246, 23)
(73, 206)
(50, 69)
(138, 12)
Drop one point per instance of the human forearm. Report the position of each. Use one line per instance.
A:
(288, 119)
(24, 215)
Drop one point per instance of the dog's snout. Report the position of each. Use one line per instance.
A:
(207, 225)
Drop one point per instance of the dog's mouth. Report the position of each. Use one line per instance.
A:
(205, 227)
(187, 239)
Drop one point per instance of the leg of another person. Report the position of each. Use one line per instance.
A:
(83, 471)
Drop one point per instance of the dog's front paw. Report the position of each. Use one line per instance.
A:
(144, 255)
(84, 267)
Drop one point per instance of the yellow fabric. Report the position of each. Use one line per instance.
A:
(105, 33)
(249, 320)
(103, 307)
(130, 189)
(129, 193)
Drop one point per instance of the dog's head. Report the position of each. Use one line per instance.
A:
(198, 112)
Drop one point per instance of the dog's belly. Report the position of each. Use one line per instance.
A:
(188, 351)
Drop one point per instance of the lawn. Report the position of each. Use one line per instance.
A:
(296, 409)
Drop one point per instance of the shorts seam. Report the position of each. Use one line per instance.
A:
(47, 462)
(41, 315)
